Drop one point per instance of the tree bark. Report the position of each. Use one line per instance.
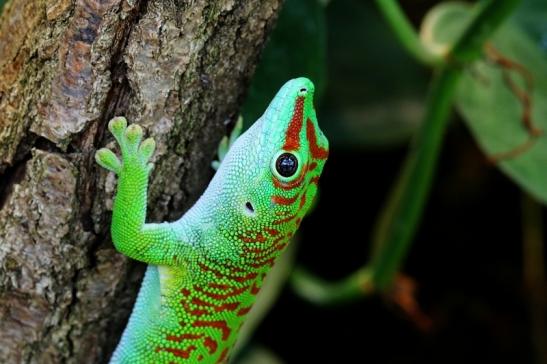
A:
(177, 68)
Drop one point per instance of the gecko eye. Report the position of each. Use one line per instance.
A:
(286, 165)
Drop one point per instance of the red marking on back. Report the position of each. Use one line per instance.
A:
(198, 312)
(223, 307)
(219, 274)
(227, 307)
(178, 352)
(223, 356)
(219, 296)
(260, 264)
(259, 238)
(272, 232)
(185, 291)
(244, 311)
(220, 286)
(182, 337)
(220, 325)
(255, 289)
(211, 344)
(284, 200)
(292, 136)
(316, 151)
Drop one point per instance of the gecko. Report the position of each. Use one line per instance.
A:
(205, 269)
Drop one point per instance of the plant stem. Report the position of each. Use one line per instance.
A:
(405, 32)
(320, 292)
(398, 221)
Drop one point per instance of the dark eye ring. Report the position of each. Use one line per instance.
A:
(286, 165)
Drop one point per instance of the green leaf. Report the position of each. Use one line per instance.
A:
(297, 47)
(493, 94)
(532, 17)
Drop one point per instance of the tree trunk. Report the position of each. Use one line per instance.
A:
(178, 68)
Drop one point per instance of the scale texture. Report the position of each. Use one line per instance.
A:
(206, 268)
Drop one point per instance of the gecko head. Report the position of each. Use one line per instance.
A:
(268, 179)
(277, 162)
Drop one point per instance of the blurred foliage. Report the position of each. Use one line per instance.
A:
(532, 17)
(502, 96)
(296, 48)
(373, 96)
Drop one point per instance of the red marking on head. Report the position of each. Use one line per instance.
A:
(220, 325)
(244, 311)
(223, 357)
(292, 136)
(287, 186)
(282, 221)
(316, 151)
(314, 180)
(182, 337)
(284, 200)
(302, 200)
(200, 357)
(313, 165)
(178, 352)
(211, 344)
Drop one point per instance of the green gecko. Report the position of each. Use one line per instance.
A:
(205, 269)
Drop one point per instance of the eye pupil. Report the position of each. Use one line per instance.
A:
(286, 164)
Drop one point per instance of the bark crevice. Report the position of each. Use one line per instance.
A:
(177, 68)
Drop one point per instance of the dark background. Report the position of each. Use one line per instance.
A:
(467, 256)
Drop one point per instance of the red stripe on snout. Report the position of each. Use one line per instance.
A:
(292, 136)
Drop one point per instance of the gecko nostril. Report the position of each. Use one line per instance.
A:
(303, 89)
(249, 207)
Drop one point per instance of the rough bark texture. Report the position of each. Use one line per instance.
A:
(178, 68)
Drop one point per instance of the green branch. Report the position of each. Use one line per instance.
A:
(404, 31)
(399, 220)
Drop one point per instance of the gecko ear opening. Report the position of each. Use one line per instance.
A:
(249, 207)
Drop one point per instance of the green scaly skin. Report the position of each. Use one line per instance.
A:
(206, 268)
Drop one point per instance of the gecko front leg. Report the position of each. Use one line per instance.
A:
(150, 243)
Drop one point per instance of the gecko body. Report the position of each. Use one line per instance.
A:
(205, 269)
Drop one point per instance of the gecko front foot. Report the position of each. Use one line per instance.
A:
(135, 155)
